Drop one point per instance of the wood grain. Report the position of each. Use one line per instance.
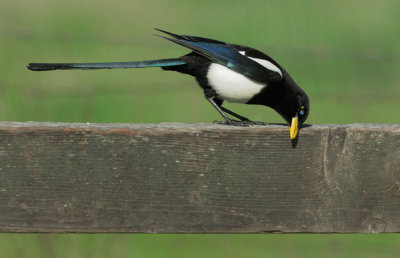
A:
(58, 177)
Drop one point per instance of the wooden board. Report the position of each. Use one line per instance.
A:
(58, 177)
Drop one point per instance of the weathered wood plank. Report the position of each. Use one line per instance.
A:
(198, 178)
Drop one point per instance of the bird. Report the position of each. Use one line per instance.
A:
(225, 72)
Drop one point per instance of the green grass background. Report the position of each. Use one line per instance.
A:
(345, 54)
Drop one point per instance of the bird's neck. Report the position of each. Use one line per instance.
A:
(280, 96)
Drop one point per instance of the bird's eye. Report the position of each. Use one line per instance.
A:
(301, 112)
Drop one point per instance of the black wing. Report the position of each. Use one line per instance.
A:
(229, 56)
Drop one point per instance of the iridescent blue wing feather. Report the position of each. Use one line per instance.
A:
(227, 55)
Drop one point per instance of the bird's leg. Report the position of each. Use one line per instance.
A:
(209, 94)
(227, 119)
(244, 121)
(242, 118)
(217, 104)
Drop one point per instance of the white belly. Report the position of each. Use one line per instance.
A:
(232, 86)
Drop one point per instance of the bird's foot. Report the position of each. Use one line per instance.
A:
(244, 123)
(233, 123)
(256, 123)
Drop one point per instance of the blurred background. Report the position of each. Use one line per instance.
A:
(345, 54)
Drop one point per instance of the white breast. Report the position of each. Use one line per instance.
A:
(230, 85)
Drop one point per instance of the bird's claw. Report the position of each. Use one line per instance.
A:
(244, 123)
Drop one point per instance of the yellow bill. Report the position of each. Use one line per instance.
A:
(294, 130)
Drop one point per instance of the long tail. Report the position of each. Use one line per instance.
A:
(86, 66)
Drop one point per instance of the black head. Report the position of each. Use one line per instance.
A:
(303, 106)
(298, 113)
(294, 105)
(286, 98)
(295, 111)
(291, 103)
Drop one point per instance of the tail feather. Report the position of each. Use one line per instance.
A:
(86, 66)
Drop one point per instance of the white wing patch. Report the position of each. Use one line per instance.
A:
(270, 66)
(230, 85)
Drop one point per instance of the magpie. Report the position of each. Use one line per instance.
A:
(225, 72)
